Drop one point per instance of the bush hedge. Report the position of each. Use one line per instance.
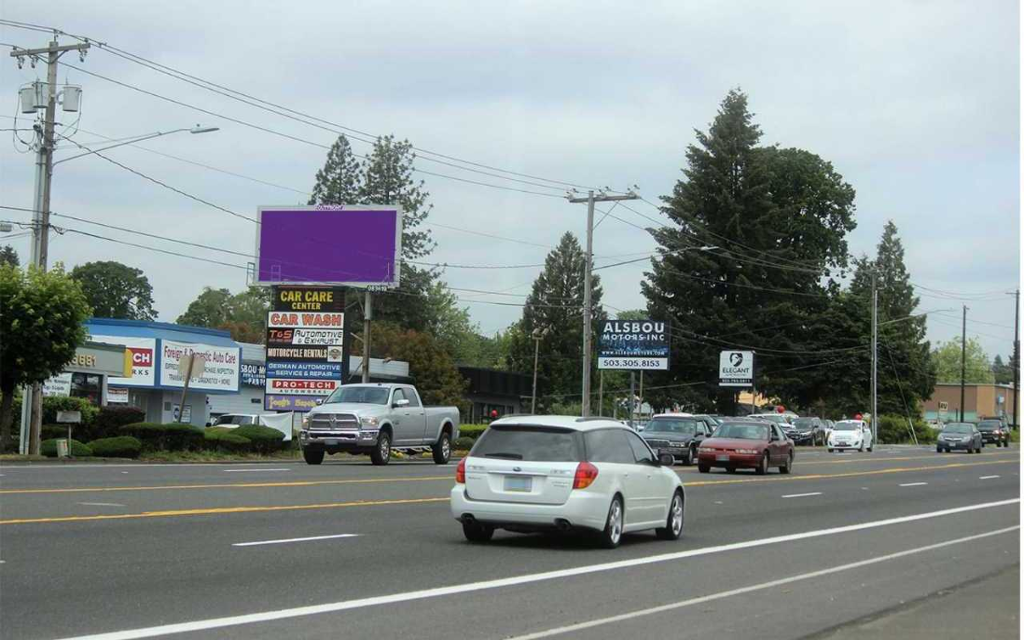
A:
(109, 420)
(225, 440)
(118, 447)
(264, 439)
(472, 431)
(48, 448)
(165, 437)
(893, 429)
(52, 405)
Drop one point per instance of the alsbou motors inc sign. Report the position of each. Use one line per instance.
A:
(305, 346)
(736, 369)
(633, 344)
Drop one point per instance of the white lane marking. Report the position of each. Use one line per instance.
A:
(913, 484)
(251, 470)
(987, 477)
(346, 605)
(802, 495)
(864, 489)
(718, 502)
(756, 587)
(254, 544)
(101, 504)
(124, 472)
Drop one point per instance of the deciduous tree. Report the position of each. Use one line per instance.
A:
(947, 362)
(115, 290)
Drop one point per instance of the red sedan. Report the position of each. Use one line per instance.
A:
(746, 444)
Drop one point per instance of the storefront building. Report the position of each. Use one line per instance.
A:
(155, 385)
(980, 401)
(88, 373)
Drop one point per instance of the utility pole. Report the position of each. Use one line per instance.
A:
(537, 335)
(367, 317)
(1016, 353)
(587, 270)
(632, 397)
(600, 393)
(963, 362)
(874, 356)
(32, 400)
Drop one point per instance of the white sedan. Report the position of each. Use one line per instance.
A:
(850, 434)
(563, 473)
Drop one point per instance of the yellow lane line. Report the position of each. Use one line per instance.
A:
(374, 503)
(222, 510)
(852, 474)
(239, 485)
(870, 459)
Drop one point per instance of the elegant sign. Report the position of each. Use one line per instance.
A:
(220, 372)
(633, 344)
(736, 369)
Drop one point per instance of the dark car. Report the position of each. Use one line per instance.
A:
(807, 430)
(994, 430)
(960, 435)
(747, 444)
(678, 436)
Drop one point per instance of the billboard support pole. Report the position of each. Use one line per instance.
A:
(367, 317)
(632, 397)
(600, 393)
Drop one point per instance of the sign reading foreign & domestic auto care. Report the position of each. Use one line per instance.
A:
(633, 344)
(305, 346)
(736, 369)
(220, 371)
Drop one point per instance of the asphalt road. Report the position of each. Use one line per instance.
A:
(210, 551)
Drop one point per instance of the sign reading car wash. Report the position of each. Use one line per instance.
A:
(305, 346)
(736, 369)
(220, 373)
(633, 344)
(142, 357)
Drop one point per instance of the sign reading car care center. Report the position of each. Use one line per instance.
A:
(305, 346)
(633, 344)
(736, 369)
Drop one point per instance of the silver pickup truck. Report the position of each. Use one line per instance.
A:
(378, 419)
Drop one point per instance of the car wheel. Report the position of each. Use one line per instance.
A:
(861, 449)
(703, 468)
(688, 458)
(313, 457)
(476, 532)
(830, 449)
(381, 454)
(938, 449)
(762, 468)
(442, 449)
(786, 468)
(612, 534)
(674, 525)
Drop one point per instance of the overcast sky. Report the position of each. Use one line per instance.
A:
(915, 103)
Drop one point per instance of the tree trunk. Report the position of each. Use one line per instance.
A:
(6, 407)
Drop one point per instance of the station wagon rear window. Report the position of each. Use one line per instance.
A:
(536, 444)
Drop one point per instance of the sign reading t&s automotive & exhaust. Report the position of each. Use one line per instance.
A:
(633, 344)
(736, 369)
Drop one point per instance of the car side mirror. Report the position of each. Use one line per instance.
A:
(400, 403)
(665, 460)
(319, 401)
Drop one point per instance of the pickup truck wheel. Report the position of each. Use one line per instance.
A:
(313, 457)
(442, 449)
(381, 454)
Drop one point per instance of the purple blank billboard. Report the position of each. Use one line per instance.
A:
(350, 245)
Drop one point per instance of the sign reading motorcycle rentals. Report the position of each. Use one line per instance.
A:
(736, 369)
(633, 344)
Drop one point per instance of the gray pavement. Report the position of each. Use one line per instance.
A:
(124, 547)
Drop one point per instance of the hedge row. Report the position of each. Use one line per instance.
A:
(97, 422)
(78, 449)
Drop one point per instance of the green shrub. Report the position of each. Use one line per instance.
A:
(118, 447)
(264, 439)
(226, 440)
(165, 437)
(48, 448)
(893, 429)
(472, 431)
(54, 404)
(109, 420)
(50, 431)
(463, 443)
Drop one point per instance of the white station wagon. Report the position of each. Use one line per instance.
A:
(563, 473)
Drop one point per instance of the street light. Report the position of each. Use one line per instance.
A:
(149, 136)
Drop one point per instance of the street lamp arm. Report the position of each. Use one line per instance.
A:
(150, 136)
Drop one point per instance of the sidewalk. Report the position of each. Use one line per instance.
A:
(989, 609)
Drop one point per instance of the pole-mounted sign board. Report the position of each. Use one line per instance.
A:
(736, 369)
(633, 344)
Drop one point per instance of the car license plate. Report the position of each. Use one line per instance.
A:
(722, 457)
(518, 483)
(331, 441)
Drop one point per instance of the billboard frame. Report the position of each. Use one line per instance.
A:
(357, 284)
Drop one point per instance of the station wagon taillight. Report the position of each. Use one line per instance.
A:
(460, 472)
(586, 474)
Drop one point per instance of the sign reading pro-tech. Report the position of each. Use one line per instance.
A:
(305, 344)
(633, 344)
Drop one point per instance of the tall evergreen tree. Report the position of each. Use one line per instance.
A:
(750, 258)
(340, 180)
(555, 307)
(9, 256)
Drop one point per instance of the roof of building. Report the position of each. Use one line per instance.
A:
(161, 330)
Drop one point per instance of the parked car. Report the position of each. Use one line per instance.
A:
(676, 435)
(808, 430)
(993, 430)
(828, 426)
(378, 419)
(279, 421)
(783, 420)
(753, 444)
(850, 434)
(563, 473)
(960, 435)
